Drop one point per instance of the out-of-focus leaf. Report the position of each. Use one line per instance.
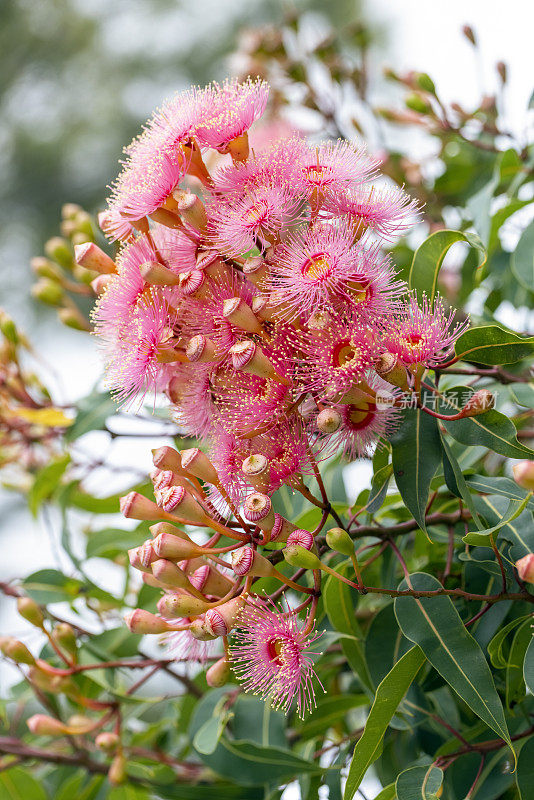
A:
(92, 413)
(416, 449)
(46, 482)
(419, 783)
(528, 666)
(379, 487)
(330, 711)
(387, 793)
(46, 417)
(491, 344)
(18, 784)
(434, 624)
(495, 647)
(515, 681)
(384, 643)
(110, 542)
(388, 697)
(429, 257)
(522, 261)
(51, 586)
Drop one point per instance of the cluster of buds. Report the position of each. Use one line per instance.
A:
(257, 296)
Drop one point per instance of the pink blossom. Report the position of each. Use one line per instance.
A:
(388, 212)
(234, 107)
(332, 167)
(271, 657)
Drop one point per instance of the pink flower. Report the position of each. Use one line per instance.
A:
(270, 655)
(190, 391)
(423, 334)
(285, 447)
(183, 646)
(388, 212)
(247, 402)
(333, 167)
(146, 182)
(363, 425)
(234, 107)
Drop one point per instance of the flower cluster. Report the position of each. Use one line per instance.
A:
(257, 296)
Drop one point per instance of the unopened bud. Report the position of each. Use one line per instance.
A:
(256, 270)
(107, 741)
(238, 313)
(198, 464)
(117, 771)
(339, 540)
(48, 291)
(218, 674)
(328, 420)
(202, 349)
(524, 474)
(64, 636)
(299, 557)
(175, 548)
(256, 470)
(137, 506)
(248, 357)
(469, 34)
(100, 283)
(59, 250)
(479, 403)
(525, 568)
(70, 210)
(91, 256)
(178, 500)
(246, 561)
(502, 71)
(167, 458)
(45, 268)
(143, 622)
(221, 620)
(426, 83)
(391, 369)
(191, 208)
(42, 725)
(31, 612)
(209, 580)
(181, 605)
(16, 650)
(73, 318)
(157, 274)
(170, 574)
(281, 529)
(259, 510)
(415, 102)
(200, 631)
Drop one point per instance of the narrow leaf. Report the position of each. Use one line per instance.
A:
(429, 257)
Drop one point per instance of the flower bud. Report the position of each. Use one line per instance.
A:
(171, 575)
(200, 631)
(211, 263)
(525, 568)
(191, 208)
(416, 102)
(44, 268)
(479, 403)
(107, 741)
(31, 612)
(339, 540)
(258, 509)
(178, 500)
(100, 283)
(391, 369)
(91, 256)
(157, 274)
(248, 357)
(209, 580)
(181, 605)
(166, 527)
(15, 650)
(48, 291)
(301, 537)
(117, 770)
(194, 284)
(218, 674)
(524, 474)
(46, 681)
(246, 561)
(73, 318)
(425, 82)
(135, 559)
(198, 464)
(201, 349)
(257, 471)
(221, 620)
(64, 636)
(256, 270)
(299, 557)
(59, 250)
(77, 725)
(175, 548)
(43, 725)
(469, 34)
(143, 622)
(238, 313)
(167, 458)
(328, 420)
(137, 506)
(281, 529)
(70, 210)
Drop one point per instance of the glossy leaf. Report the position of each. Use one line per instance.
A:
(525, 770)
(434, 624)
(387, 699)
(419, 783)
(528, 667)
(483, 538)
(522, 261)
(493, 345)
(429, 256)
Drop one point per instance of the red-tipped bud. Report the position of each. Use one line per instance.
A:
(301, 537)
(31, 612)
(246, 561)
(525, 568)
(162, 479)
(202, 349)
(91, 256)
(181, 605)
(479, 403)
(524, 474)
(238, 313)
(209, 580)
(175, 548)
(281, 529)
(328, 420)
(191, 208)
(107, 741)
(180, 502)
(218, 674)
(143, 622)
(166, 527)
(194, 284)
(136, 506)
(158, 275)
(210, 262)
(200, 631)
(259, 510)
(198, 464)
(42, 725)
(248, 357)
(167, 458)
(257, 471)
(100, 283)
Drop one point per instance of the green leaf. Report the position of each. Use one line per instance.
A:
(93, 412)
(110, 542)
(416, 449)
(490, 429)
(434, 624)
(522, 261)
(51, 586)
(46, 482)
(388, 697)
(495, 647)
(387, 793)
(429, 257)
(379, 487)
(340, 601)
(503, 486)
(515, 682)
(484, 538)
(208, 735)
(460, 488)
(525, 770)
(330, 711)
(493, 345)
(528, 667)
(17, 784)
(419, 783)
(384, 643)
(519, 532)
